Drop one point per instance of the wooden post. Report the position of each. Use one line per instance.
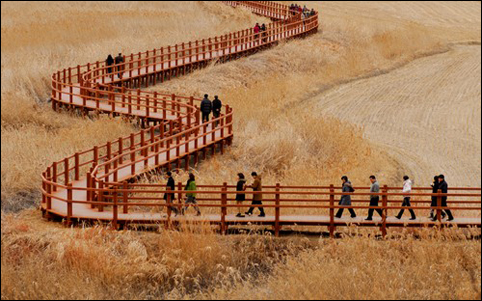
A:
(49, 191)
(224, 202)
(156, 151)
(115, 212)
(332, 211)
(66, 170)
(54, 175)
(133, 155)
(385, 210)
(68, 222)
(77, 163)
(109, 156)
(439, 206)
(277, 211)
(101, 195)
(125, 198)
(92, 185)
(89, 186)
(121, 150)
(116, 172)
(96, 156)
(169, 211)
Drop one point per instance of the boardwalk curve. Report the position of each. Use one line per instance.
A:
(96, 184)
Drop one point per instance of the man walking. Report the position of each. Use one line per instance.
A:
(217, 105)
(171, 185)
(206, 108)
(109, 62)
(445, 188)
(346, 199)
(407, 189)
(119, 60)
(257, 198)
(374, 199)
(433, 205)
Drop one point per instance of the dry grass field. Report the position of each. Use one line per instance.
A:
(386, 88)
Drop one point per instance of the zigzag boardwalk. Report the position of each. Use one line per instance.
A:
(173, 134)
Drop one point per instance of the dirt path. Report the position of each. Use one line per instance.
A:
(427, 115)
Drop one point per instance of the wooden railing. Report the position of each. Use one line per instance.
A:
(124, 203)
(92, 185)
(173, 129)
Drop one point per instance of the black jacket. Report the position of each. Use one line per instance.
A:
(170, 184)
(435, 188)
(240, 187)
(109, 61)
(217, 105)
(445, 188)
(206, 106)
(119, 59)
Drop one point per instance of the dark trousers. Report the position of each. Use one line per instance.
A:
(216, 114)
(205, 117)
(406, 203)
(340, 212)
(374, 203)
(251, 209)
(172, 200)
(447, 211)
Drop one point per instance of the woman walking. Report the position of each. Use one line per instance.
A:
(240, 197)
(191, 197)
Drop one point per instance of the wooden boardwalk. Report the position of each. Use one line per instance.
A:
(96, 184)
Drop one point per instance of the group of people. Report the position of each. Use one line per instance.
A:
(347, 187)
(438, 184)
(115, 63)
(191, 196)
(207, 107)
(260, 30)
(295, 8)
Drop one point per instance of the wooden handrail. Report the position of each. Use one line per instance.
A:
(178, 133)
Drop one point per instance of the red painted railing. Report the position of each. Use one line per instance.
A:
(175, 131)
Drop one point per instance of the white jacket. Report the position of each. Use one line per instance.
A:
(407, 187)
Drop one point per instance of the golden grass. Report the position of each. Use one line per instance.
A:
(273, 134)
(57, 35)
(361, 268)
(45, 261)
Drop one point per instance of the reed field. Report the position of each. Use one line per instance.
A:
(385, 88)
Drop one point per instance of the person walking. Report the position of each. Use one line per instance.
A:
(206, 108)
(191, 197)
(346, 199)
(109, 62)
(444, 187)
(257, 198)
(407, 189)
(433, 204)
(263, 32)
(217, 105)
(240, 197)
(374, 199)
(257, 28)
(119, 60)
(171, 185)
